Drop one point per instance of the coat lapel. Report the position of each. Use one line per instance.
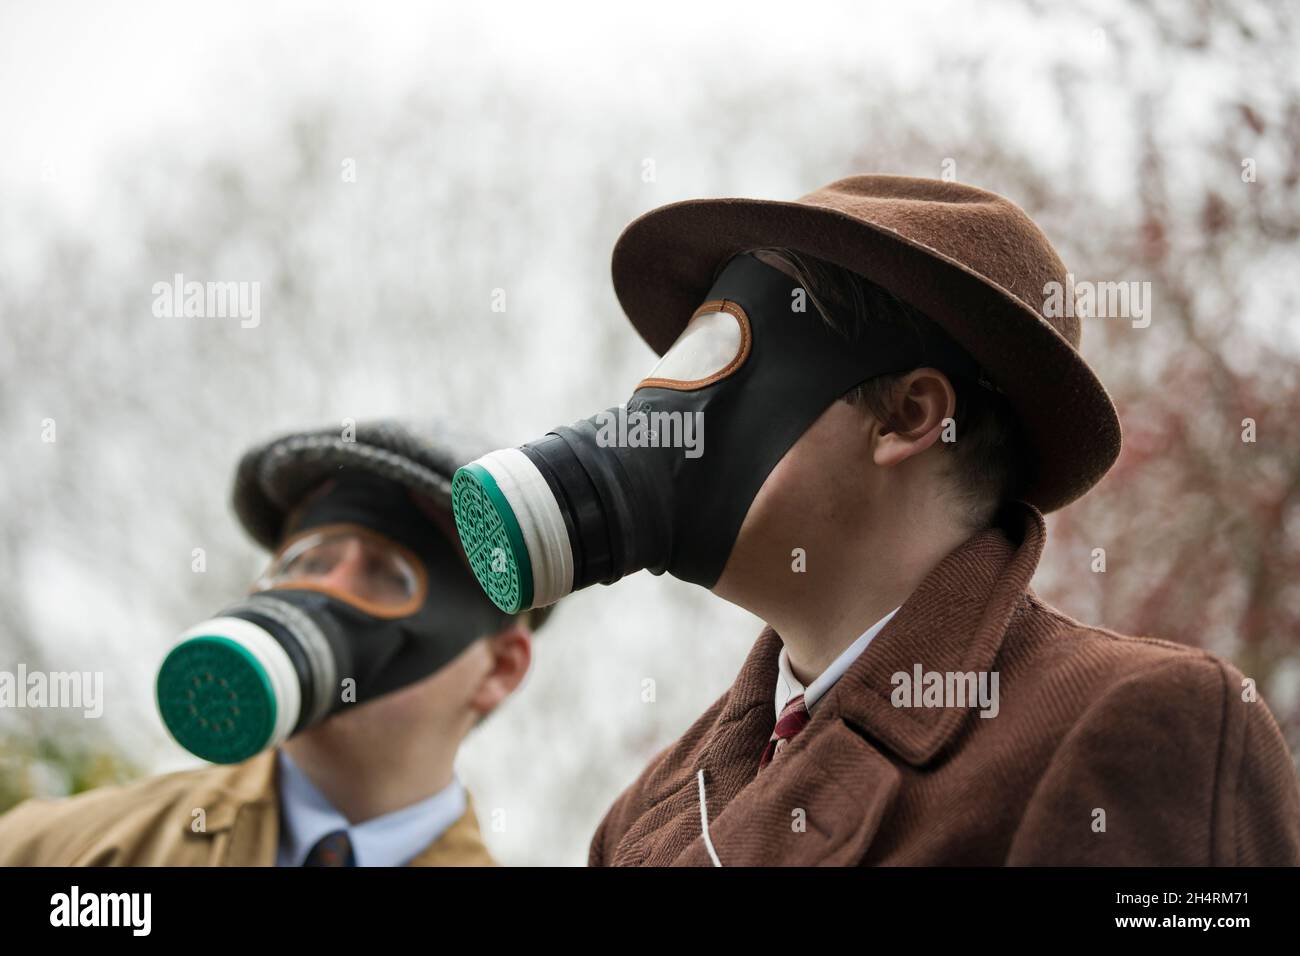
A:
(818, 804)
(461, 844)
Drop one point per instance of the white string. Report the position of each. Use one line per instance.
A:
(704, 823)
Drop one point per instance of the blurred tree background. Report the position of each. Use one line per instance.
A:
(501, 151)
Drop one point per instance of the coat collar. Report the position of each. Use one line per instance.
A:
(954, 622)
(461, 844)
(242, 802)
(823, 801)
(239, 804)
(227, 791)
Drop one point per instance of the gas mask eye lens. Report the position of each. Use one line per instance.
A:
(350, 562)
(713, 345)
(316, 559)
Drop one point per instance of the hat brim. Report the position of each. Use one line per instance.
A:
(663, 265)
(274, 478)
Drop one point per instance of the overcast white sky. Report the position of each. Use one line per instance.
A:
(80, 81)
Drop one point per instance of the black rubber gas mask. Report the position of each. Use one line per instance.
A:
(367, 596)
(664, 482)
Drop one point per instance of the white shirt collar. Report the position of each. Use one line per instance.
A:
(788, 686)
(393, 839)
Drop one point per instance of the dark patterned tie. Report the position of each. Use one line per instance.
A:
(794, 717)
(333, 849)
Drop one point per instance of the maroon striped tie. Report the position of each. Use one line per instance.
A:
(794, 717)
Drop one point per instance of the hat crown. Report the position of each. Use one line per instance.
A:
(977, 230)
(273, 477)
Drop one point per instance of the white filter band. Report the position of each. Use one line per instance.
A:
(540, 521)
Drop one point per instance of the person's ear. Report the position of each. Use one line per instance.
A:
(511, 652)
(922, 401)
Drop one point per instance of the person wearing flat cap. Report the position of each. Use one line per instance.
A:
(866, 401)
(332, 698)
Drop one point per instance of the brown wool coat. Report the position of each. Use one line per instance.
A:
(150, 823)
(1154, 734)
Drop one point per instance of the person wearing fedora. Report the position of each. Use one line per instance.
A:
(883, 411)
(333, 697)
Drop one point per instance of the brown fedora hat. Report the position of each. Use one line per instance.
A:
(969, 259)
